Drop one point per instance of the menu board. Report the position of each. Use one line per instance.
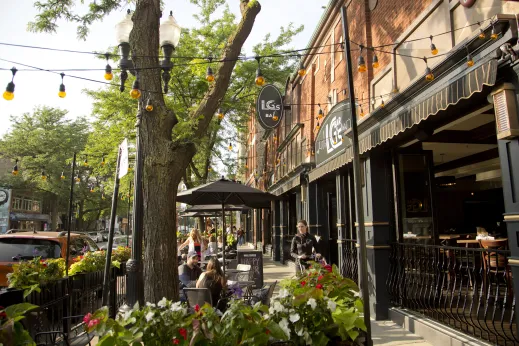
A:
(255, 259)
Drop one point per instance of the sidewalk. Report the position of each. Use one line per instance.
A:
(385, 333)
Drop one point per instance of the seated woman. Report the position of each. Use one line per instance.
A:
(212, 247)
(220, 242)
(213, 279)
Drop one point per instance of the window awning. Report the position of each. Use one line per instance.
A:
(445, 93)
(281, 187)
(29, 217)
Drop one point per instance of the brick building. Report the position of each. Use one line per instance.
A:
(438, 157)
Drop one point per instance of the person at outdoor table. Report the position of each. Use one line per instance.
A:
(212, 247)
(303, 243)
(195, 243)
(213, 279)
(189, 271)
(220, 242)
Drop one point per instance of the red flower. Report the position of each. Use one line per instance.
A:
(81, 257)
(267, 332)
(328, 268)
(320, 278)
(44, 264)
(183, 333)
(303, 283)
(176, 341)
(2, 314)
(87, 318)
(197, 307)
(319, 286)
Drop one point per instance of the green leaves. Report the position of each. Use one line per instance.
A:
(18, 310)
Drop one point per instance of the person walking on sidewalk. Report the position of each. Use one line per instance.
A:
(303, 246)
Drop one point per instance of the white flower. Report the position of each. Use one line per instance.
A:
(149, 316)
(162, 303)
(294, 318)
(332, 305)
(266, 316)
(308, 339)
(150, 304)
(278, 307)
(283, 293)
(127, 314)
(176, 306)
(300, 332)
(312, 303)
(283, 324)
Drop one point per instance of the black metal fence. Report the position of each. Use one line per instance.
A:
(469, 289)
(62, 305)
(349, 263)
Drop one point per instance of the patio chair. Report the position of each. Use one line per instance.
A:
(263, 295)
(198, 296)
(246, 268)
(495, 264)
(76, 337)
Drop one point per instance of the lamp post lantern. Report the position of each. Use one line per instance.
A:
(122, 34)
(169, 37)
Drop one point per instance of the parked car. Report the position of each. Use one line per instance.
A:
(105, 234)
(25, 245)
(96, 236)
(119, 241)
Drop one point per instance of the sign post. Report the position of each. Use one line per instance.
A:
(269, 107)
(120, 171)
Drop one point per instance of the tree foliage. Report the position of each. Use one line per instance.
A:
(44, 143)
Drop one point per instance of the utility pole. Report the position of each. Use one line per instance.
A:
(359, 206)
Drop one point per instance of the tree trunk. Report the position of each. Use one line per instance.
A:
(165, 161)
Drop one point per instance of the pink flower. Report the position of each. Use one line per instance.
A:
(319, 286)
(303, 283)
(87, 317)
(183, 333)
(197, 307)
(93, 323)
(176, 341)
(320, 278)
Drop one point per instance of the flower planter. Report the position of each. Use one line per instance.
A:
(78, 281)
(11, 296)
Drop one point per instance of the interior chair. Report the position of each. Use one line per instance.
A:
(495, 264)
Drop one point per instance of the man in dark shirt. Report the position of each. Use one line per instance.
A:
(303, 245)
(190, 271)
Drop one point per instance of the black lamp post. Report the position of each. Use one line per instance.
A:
(169, 37)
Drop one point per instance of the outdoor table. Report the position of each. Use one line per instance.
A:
(449, 236)
(474, 241)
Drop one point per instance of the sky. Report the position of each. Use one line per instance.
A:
(41, 88)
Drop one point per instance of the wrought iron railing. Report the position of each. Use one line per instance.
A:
(349, 260)
(63, 304)
(469, 289)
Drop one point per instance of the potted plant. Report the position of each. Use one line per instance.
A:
(30, 275)
(12, 331)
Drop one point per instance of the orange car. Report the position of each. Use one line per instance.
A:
(16, 246)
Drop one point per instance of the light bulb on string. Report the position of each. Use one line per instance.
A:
(149, 106)
(260, 80)
(429, 76)
(301, 71)
(221, 115)
(360, 62)
(135, 93)
(62, 176)
(230, 146)
(494, 34)
(382, 104)
(103, 162)
(85, 163)
(77, 179)
(9, 90)
(470, 61)
(275, 117)
(92, 189)
(62, 92)
(108, 69)
(434, 50)
(43, 176)
(318, 126)
(15, 169)
(361, 112)
(320, 114)
(481, 35)
(375, 63)
(209, 75)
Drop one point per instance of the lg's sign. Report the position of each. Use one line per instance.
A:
(269, 107)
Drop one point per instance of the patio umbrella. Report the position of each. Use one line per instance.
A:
(225, 192)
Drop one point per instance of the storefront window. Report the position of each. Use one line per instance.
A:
(415, 193)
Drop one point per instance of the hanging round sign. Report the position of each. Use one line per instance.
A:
(269, 107)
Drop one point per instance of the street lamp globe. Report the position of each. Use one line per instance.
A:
(123, 29)
(170, 32)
